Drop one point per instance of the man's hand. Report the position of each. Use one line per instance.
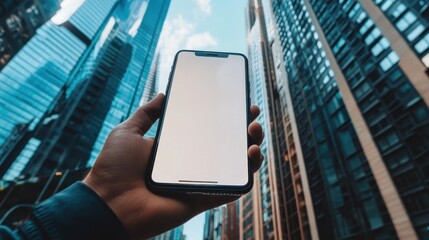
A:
(118, 177)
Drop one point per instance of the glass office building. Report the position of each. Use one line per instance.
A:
(144, 35)
(231, 221)
(151, 90)
(93, 73)
(410, 19)
(222, 222)
(213, 224)
(33, 80)
(174, 234)
(264, 210)
(358, 82)
(19, 22)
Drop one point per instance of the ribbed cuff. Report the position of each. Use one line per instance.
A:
(76, 213)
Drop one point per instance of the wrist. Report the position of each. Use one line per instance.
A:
(122, 206)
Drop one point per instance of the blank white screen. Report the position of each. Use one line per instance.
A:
(204, 133)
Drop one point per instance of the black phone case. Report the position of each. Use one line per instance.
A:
(198, 189)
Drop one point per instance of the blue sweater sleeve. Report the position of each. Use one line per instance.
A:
(75, 213)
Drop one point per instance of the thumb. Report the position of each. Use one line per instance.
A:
(146, 115)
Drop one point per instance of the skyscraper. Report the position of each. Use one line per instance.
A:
(151, 89)
(81, 74)
(230, 221)
(174, 234)
(222, 223)
(102, 86)
(357, 83)
(144, 35)
(19, 22)
(35, 79)
(213, 224)
(262, 212)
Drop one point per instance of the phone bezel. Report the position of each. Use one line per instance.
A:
(195, 188)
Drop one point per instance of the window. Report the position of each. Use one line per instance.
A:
(394, 76)
(388, 140)
(374, 217)
(342, 225)
(361, 90)
(374, 114)
(415, 33)
(407, 179)
(362, 186)
(397, 159)
(408, 19)
(405, 123)
(390, 60)
(369, 102)
(407, 94)
(380, 46)
(372, 36)
(331, 176)
(418, 143)
(369, 23)
(355, 9)
(361, 17)
(339, 119)
(336, 197)
(339, 45)
(400, 8)
(380, 126)
(335, 103)
(347, 144)
(355, 162)
(320, 135)
(417, 202)
(22, 160)
(326, 80)
(386, 5)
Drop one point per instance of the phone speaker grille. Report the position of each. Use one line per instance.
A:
(195, 181)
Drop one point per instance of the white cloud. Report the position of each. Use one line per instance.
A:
(205, 6)
(179, 33)
(200, 41)
(174, 34)
(173, 38)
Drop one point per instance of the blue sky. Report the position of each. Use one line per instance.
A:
(217, 25)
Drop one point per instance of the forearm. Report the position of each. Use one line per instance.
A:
(75, 213)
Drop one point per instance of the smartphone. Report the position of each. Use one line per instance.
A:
(202, 140)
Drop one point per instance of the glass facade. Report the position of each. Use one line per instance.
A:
(84, 78)
(247, 216)
(174, 234)
(151, 90)
(48, 65)
(213, 224)
(259, 97)
(270, 188)
(42, 78)
(19, 22)
(31, 83)
(393, 110)
(129, 93)
(346, 201)
(411, 19)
